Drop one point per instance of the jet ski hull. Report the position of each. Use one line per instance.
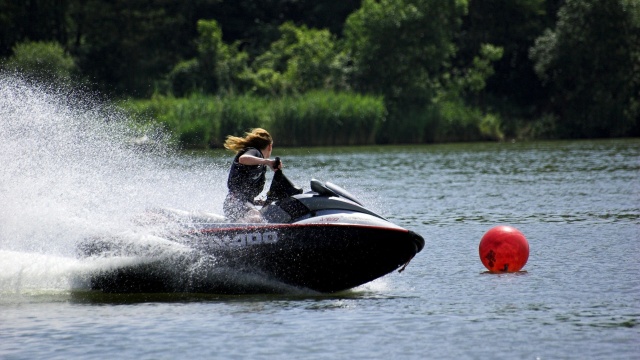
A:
(325, 258)
(273, 257)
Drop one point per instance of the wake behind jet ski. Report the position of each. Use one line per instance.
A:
(324, 240)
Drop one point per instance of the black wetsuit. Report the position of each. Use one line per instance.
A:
(245, 183)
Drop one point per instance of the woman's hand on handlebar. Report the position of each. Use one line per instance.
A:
(274, 164)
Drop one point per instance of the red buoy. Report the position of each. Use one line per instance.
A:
(504, 249)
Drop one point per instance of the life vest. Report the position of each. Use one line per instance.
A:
(247, 181)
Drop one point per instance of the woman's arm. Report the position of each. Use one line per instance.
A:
(247, 159)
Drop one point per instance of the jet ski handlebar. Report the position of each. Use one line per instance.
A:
(281, 187)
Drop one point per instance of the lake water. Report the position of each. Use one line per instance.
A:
(578, 204)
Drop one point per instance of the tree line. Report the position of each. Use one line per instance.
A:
(444, 69)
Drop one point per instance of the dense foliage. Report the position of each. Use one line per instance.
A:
(591, 63)
(432, 70)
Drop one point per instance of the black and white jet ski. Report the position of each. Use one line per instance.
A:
(324, 240)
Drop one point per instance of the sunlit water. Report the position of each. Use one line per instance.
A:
(70, 169)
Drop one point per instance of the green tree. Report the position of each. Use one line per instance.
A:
(45, 61)
(33, 21)
(512, 25)
(128, 46)
(302, 59)
(221, 64)
(465, 82)
(217, 68)
(257, 23)
(590, 62)
(401, 48)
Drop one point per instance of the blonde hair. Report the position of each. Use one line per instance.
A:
(256, 138)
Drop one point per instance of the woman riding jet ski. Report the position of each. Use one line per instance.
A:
(247, 173)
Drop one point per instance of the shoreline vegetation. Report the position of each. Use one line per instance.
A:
(317, 118)
(329, 73)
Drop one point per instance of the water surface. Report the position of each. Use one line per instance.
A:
(577, 202)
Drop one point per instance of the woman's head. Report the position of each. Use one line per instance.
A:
(256, 138)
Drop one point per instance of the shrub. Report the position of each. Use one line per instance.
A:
(193, 121)
(44, 61)
(459, 122)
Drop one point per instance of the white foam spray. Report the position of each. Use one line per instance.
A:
(70, 169)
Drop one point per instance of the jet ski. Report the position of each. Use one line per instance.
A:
(324, 240)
